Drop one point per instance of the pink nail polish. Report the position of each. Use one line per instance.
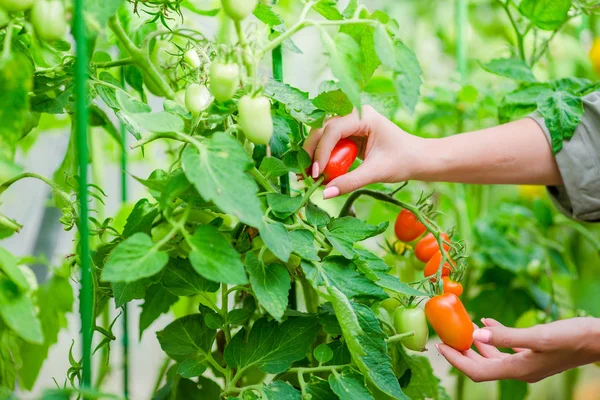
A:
(315, 170)
(437, 346)
(331, 192)
(482, 335)
(483, 321)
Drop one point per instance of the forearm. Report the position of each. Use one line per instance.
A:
(514, 153)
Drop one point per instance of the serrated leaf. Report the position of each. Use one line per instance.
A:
(283, 205)
(344, 57)
(279, 390)
(8, 264)
(187, 336)
(323, 353)
(270, 346)
(344, 232)
(181, 279)
(316, 216)
(303, 244)
(319, 389)
(214, 258)
(217, 169)
(272, 167)
(349, 385)
(271, 285)
(134, 258)
(124, 292)
(546, 14)
(277, 239)
(512, 68)
(562, 113)
(18, 312)
(140, 219)
(157, 301)
(191, 368)
(422, 383)
(334, 102)
(296, 102)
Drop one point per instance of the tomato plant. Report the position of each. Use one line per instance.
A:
(450, 320)
(407, 227)
(342, 156)
(217, 252)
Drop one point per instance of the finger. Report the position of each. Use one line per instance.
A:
(473, 355)
(310, 144)
(493, 322)
(481, 370)
(334, 131)
(488, 350)
(355, 179)
(501, 336)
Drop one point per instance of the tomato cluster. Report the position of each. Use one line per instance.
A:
(445, 312)
(48, 17)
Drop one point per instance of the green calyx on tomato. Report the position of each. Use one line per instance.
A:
(254, 117)
(428, 246)
(407, 227)
(412, 320)
(391, 304)
(237, 10)
(450, 320)
(197, 98)
(192, 58)
(49, 20)
(342, 156)
(224, 80)
(13, 6)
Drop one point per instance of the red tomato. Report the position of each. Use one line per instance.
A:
(342, 156)
(427, 247)
(434, 263)
(408, 227)
(451, 286)
(448, 317)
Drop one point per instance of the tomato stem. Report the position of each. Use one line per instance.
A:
(399, 337)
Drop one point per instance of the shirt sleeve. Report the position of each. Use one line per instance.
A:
(579, 165)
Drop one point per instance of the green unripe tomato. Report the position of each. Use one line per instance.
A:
(390, 304)
(49, 19)
(13, 6)
(197, 98)
(255, 119)
(4, 18)
(535, 269)
(237, 10)
(153, 87)
(164, 54)
(412, 319)
(224, 80)
(192, 58)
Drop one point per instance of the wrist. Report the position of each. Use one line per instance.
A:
(426, 160)
(592, 337)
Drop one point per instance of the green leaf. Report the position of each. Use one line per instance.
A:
(99, 118)
(159, 122)
(124, 292)
(403, 62)
(546, 14)
(366, 342)
(344, 57)
(319, 389)
(271, 285)
(341, 273)
(303, 244)
(97, 13)
(323, 353)
(327, 9)
(135, 258)
(489, 302)
(422, 383)
(10, 359)
(187, 336)
(562, 113)
(334, 102)
(295, 102)
(512, 389)
(283, 205)
(279, 390)
(191, 368)
(392, 283)
(214, 258)
(344, 232)
(349, 385)
(158, 300)
(207, 13)
(181, 279)
(512, 68)
(18, 312)
(277, 239)
(239, 316)
(140, 219)
(520, 103)
(316, 216)
(8, 264)
(218, 171)
(270, 346)
(272, 167)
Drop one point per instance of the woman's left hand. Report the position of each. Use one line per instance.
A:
(540, 351)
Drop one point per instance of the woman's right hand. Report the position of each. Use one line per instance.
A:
(390, 155)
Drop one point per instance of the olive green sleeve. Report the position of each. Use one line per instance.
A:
(579, 165)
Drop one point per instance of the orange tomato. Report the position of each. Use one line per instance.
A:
(434, 263)
(408, 227)
(451, 286)
(428, 246)
(450, 320)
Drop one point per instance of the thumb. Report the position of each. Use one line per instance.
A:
(361, 176)
(501, 336)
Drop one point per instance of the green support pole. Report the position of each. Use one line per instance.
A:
(461, 26)
(125, 338)
(81, 126)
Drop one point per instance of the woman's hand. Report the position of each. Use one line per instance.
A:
(388, 152)
(540, 351)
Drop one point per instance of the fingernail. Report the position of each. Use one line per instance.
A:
(482, 335)
(483, 321)
(331, 192)
(315, 170)
(437, 346)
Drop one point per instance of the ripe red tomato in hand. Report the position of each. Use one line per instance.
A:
(451, 286)
(427, 247)
(408, 227)
(342, 156)
(434, 263)
(450, 320)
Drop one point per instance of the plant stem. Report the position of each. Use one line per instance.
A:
(399, 337)
(152, 138)
(323, 368)
(57, 190)
(161, 372)
(116, 63)
(263, 181)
